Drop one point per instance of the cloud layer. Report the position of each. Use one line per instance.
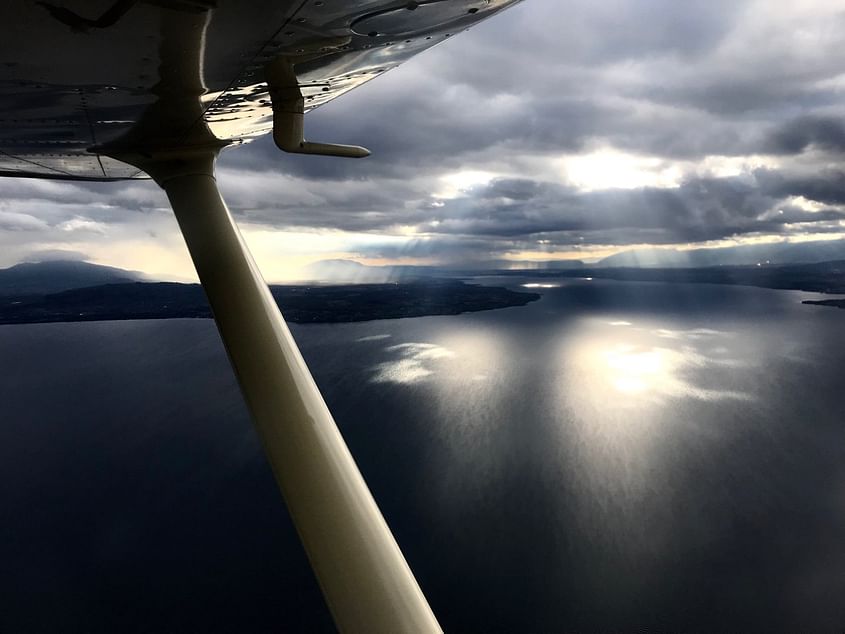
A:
(554, 129)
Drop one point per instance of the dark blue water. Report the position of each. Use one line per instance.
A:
(614, 457)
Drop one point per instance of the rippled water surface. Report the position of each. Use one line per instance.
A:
(616, 456)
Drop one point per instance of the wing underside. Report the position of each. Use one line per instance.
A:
(79, 75)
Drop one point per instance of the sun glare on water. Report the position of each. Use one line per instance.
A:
(633, 371)
(626, 365)
(625, 383)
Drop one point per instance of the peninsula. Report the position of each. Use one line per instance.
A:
(299, 304)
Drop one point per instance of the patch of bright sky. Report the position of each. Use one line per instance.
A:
(282, 254)
(753, 240)
(814, 237)
(456, 184)
(806, 204)
(160, 259)
(728, 166)
(834, 83)
(607, 168)
(83, 224)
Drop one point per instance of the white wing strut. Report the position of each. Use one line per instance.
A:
(367, 583)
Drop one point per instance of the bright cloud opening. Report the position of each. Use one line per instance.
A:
(611, 169)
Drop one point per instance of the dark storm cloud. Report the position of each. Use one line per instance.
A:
(798, 135)
(550, 78)
(700, 209)
(426, 128)
(422, 128)
(825, 186)
(41, 219)
(535, 81)
(57, 201)
(521, 211)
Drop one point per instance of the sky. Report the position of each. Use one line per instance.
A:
(555, 130)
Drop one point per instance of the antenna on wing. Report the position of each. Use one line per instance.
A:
(289, 114)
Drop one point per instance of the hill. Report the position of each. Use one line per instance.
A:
(40, 278)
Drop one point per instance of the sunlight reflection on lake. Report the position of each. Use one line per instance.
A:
(413, 364)
(641, 364)
(627, 389)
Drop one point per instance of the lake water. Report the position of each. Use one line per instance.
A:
(614, 457)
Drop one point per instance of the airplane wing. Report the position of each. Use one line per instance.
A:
(79, 74)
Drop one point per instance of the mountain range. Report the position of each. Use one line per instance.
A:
(739, 255)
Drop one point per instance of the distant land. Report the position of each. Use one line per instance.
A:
(38, 278)
(834, 303)
(779, 253)
(124, 296)
(819, 277)
(300, 304)
(747, 254)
